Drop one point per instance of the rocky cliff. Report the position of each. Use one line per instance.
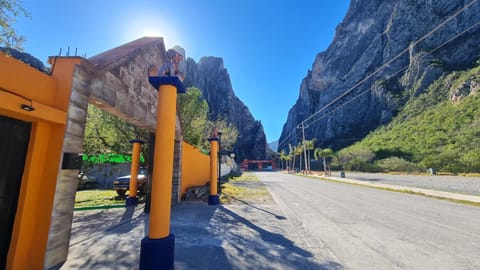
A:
(384, 53)
(210, 76)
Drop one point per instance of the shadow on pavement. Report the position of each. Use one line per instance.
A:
(258, 208)
(106, 239)
(239, 236)
(220, 237)
(272, 248)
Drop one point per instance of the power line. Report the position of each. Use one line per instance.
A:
(398, 71)
(411, 46)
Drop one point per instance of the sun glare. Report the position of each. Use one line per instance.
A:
(152, 33)
(152, 27)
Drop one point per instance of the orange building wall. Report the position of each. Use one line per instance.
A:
(50, 96)
(195, 167)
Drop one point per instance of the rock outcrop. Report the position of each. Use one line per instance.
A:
(210, 76)
(383, 54)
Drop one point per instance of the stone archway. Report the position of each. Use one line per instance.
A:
(115, 81)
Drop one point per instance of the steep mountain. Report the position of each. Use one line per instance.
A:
(210, 76)
(439, 129)
(384, 54)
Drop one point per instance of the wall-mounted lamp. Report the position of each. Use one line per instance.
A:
(23, 106)
(27, 107)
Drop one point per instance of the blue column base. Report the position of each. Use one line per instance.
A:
(131, 201)
(157, 254)
(213, 200)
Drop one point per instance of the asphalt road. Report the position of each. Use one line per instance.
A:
(364, 228)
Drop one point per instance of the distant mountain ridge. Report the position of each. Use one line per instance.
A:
(273, 146)
(381, 57)
(213, 80)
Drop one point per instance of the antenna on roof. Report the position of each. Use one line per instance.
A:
(60, 53)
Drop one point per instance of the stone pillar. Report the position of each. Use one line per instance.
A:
(177, 172)
(132, 199)
(157, 249)
(213, 198)
(67, 179)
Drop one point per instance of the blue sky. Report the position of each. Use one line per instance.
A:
(267, 45)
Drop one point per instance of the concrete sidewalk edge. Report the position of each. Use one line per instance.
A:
(428, 192)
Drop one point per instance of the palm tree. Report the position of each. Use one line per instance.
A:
(299, 152)
(291, 156)
(288, 159)
(309, 145)
(283, 158)
(324, 154)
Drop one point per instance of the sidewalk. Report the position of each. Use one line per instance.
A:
(240, 235)
(422, 191)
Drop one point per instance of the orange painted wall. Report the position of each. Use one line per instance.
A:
(195, 167)
(50, 96)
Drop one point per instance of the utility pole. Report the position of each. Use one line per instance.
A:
(307, 169)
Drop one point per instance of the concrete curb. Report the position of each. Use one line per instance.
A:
(428, 192)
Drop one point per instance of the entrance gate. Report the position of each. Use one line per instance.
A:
(14, 140)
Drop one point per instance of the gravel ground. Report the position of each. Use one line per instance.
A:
(458, 184)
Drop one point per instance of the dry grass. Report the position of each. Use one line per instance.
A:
(245, 188)
(97, 198)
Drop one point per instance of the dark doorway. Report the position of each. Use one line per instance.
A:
(14, 138)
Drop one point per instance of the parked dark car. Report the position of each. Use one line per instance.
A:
(122, 184)
(85, 182)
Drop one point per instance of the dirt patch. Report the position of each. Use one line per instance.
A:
(245, 189)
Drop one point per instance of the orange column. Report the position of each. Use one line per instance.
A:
(213, 199)
(163, 167)
(157, 249)
(132, 199)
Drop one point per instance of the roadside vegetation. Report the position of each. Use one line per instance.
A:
(437, 131)
(193, 112)
(434, 130)
(244, 189)
(92, 199)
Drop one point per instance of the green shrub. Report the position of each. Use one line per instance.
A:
(358, 164)
(471, 161)
(429, 131)
(396, 164)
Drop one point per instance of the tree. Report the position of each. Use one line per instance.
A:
(192, 111)
(193, 114)
(229, 133)
(106, 133)
(298, 151)
(291, 158)
(283, 158)
(9, 11)
(324, 154)
(309, 145)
